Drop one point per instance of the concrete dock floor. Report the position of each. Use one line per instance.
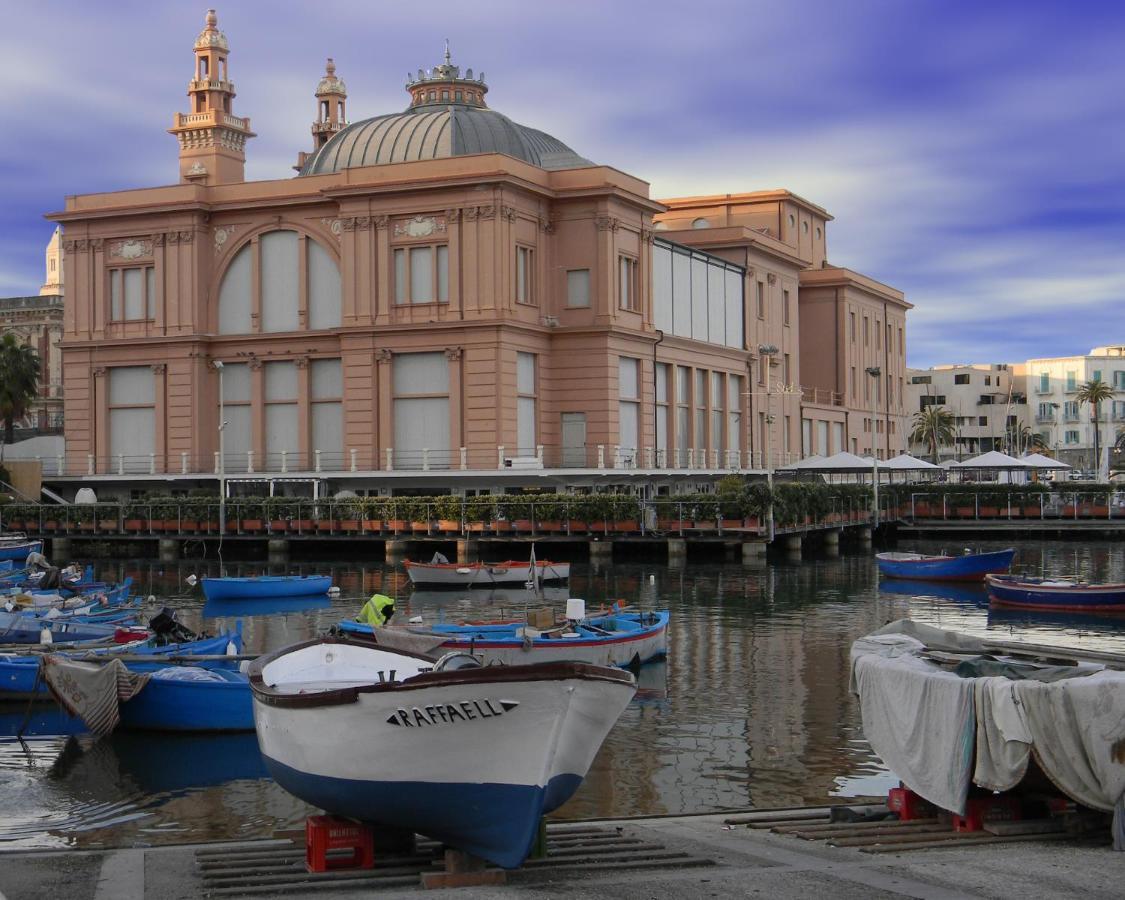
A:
(748, 863)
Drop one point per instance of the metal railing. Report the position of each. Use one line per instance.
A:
(1017, 506)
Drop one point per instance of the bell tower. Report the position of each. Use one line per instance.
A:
(331, 96)
(212, 139)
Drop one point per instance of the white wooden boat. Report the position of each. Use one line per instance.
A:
(472, 756)
(462, 575)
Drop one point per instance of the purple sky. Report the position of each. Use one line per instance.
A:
(971, 152)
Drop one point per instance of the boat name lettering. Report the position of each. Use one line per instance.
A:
(449, 713)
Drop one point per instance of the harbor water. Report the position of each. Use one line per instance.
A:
(751, 708)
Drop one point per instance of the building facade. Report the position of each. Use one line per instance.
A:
(1063, 424)
(439, 288)
(988, 403)
(38, 321)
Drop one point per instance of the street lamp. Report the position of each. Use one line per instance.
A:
(874, 372)
(765, 351)
(218, 364)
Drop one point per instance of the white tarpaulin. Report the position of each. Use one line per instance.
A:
(925, 721)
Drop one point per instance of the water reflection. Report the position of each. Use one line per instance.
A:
(751, 707)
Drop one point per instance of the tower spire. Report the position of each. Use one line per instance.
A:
(331, 96)
(212, 139)
(444, 84)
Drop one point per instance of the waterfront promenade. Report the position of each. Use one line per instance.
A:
(694, 857)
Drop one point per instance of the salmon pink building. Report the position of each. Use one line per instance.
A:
(443, 289)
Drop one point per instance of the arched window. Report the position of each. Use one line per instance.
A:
(282, 296)
(700, 223)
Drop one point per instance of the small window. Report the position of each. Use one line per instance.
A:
(982, 421)
(422, 274)
(627, 290)
(785, 299)
(525, 275)
(700, 223)
(818, 233)
(805, 227)
(963, 378)
(578, 288)
(761, 299)
(792, 220)
(445, 96)
(457, 95)
(431, 96)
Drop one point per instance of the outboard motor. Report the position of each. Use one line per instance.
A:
(168, 630)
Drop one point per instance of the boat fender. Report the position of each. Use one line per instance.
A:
(151, 600)
(191, 579)
(464, 570)
(9, 606)
(45, 636)
(415, 620)
(334, 591)
(232, 650)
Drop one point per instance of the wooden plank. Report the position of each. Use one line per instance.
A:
(987, 839)
(856, 826)
(1025, 826)
(967, 837)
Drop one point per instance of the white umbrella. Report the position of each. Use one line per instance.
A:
(844, 462)
(904, 462)
(809, 462)
(1039, 461)
(994, 459)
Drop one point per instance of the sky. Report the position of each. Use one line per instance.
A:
(971, 152)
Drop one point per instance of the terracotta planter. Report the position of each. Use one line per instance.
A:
(522, 524)
(279, 525)
(15, 525)
(301, 525)
(209, 527)
(671, 524)
(189, 525)
(705, 525)
(551, 526)
(135, 525)
(349, 525)
(626, 525)
(85, 526)
(965, 512)
(922, 510)
(51, 525)
(576, 525)
(325, 524)
(396, 524)
(419, 526)
(476, 527)
(449, 525)
(373, 525)
(107, 525)
(252, 524)
(751, 522)
(731, 523)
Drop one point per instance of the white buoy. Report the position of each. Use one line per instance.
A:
(232, 650)
(45, 636)
(415, 620)
(191, 579)
(575, 609)
(652, 579)
(151, 600)
(334, 591)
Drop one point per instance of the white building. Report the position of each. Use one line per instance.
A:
(1065, 425)
(984, 400)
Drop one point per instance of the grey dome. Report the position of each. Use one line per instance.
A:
(439, 131)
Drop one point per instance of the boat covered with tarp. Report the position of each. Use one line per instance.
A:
(946, 711)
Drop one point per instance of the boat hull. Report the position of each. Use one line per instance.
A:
(452, 575)
(1107, 598)
(19, 552)
(474, 762)
(166, 704)
(269, 587)
(970, 567)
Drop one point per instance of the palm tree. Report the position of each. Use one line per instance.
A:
(932, 426)
(19, 382)
(1095, 393)
(1021, 438)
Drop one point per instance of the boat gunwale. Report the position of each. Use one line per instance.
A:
(507, 564)
(560, 670)
(1009, 581)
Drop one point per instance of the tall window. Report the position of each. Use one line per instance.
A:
(851, 381)
(866, 332)
(526, 394)
(662, 406)
(961, 378)
(761, 299)
(132, 294)
(1072, 381)
(281, 412)
(851, 326)
(422, 274)
(525, 275)
(785, 310)
(578, 288)
(734, 412)
(326, 413)
(421, 409)
(132, 417)
(627, 286)
(629, 405)
(1044, 382)
(1119, 380)
(718, 396)
(787, 370)
(683, 407)
(1070, 410)
(238, 435)
(700, 409)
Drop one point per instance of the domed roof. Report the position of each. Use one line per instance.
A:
(447, 117)
(439, 131)
(210, 36)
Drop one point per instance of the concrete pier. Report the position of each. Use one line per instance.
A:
(278, 550)
(60, 550)
(863, 535)
(677, 551)
(395, 549)
(601, 551)
(169, 549)
(468, 550)
(792, 543)
(753, 552)
(831, 538)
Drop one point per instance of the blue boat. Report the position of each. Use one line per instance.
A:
(17, 628)
(1026, 592)
(620, 639)
(923, 567)
(265, 587)
(19, 672)
(215, 700)
(6, 565)
(17, 548)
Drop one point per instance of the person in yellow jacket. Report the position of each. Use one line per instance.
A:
(377, 611)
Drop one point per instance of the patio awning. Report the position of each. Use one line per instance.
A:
(1039, 461)
(904, 462)
(994, 459)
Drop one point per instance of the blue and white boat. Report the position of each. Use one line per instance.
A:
(16, 547)
(940, 567)
(191, 698)
(17, 628)
(265, 587)
(1027, 592)
(469, 755)
(19, 672)
(620, 639)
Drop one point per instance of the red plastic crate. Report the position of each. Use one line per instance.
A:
(978, 810)
(324, 834)
(909, 805)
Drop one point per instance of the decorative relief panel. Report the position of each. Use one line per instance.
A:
(607, 223)
(472, 213)
(420, 226)
(771, 278)
(382, 355)
(336, 226)
(222, 234)
(453, 353)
